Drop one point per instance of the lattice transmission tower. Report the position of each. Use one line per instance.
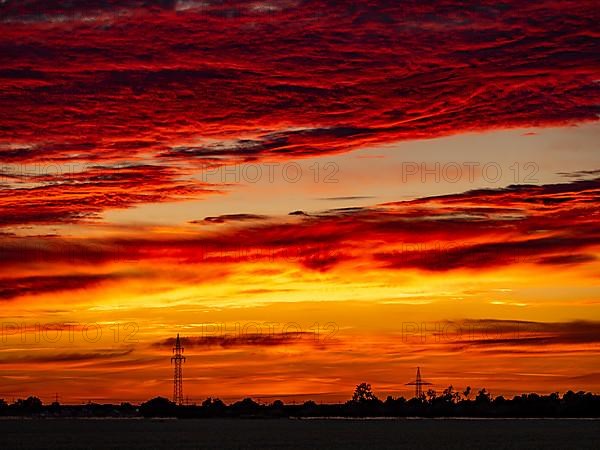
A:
(418, 384)
(178, 359)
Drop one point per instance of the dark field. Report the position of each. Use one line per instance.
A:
(295, 434)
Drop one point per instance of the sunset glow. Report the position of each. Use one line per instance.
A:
(311, 195)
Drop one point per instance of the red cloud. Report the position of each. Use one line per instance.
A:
(183, 84)
(244, 340)
(111, 80)
(549, 224)
(44, 198)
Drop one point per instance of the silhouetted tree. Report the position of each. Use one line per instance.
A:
(207, 403)
(277, 409)
(467, 392)
(218, 403)
(363, 393)
(483, 396)
(29, 405)
(158, 407)
(450, 395)
(431, 395)
(246, 407)
(213, 407)
(309, 408)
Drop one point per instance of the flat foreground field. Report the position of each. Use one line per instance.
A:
(296, 434)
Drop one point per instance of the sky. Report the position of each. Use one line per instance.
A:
(312, 194)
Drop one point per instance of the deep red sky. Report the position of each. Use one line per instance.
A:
(113, 113)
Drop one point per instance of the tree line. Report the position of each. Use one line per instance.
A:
(364, 403)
